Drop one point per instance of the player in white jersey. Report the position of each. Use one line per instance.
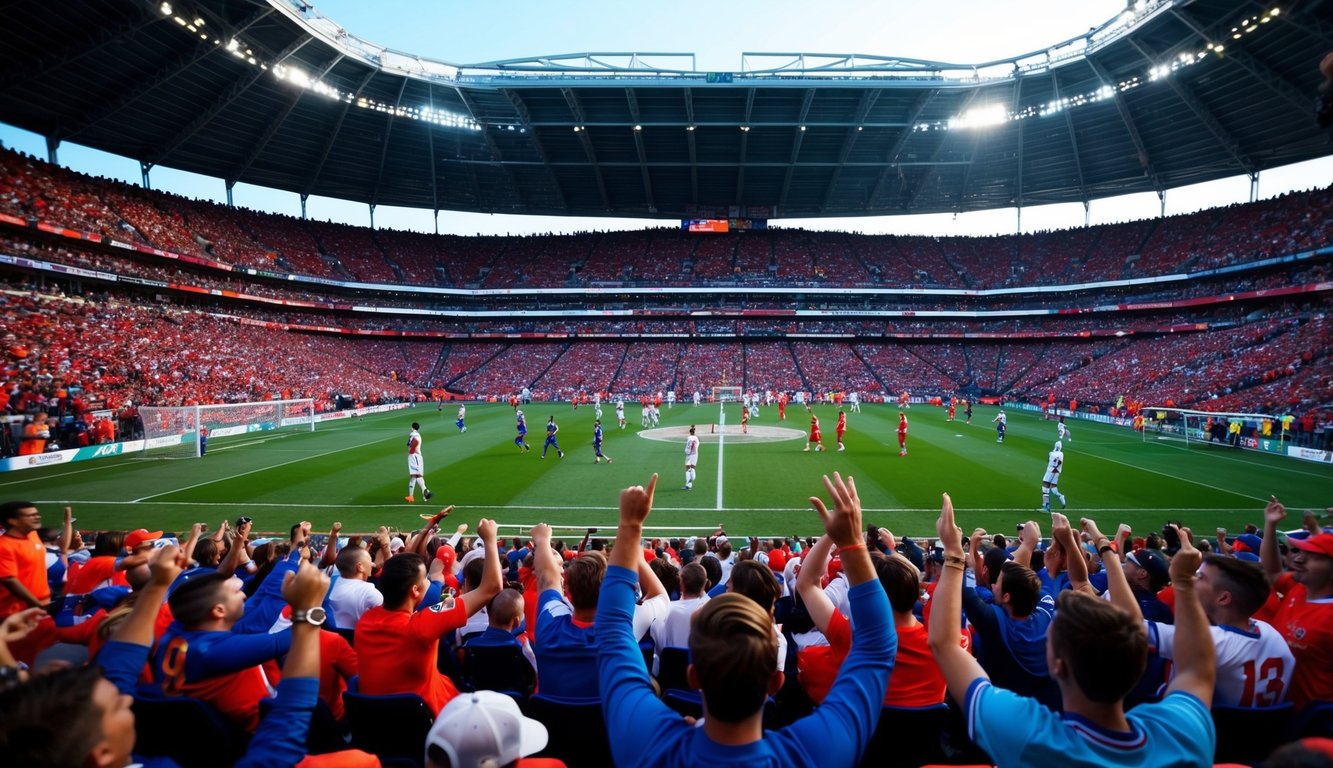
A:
(999, 421)
(620, 412)
(1254, 662)
(696, 398)
(1062, 432)
(1055, 463)
(653, 415)
(691, 458)
(855, 400)
(671, 398)
(416, 472)
(462, 414)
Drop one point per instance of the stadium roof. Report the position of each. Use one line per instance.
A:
(269, 93)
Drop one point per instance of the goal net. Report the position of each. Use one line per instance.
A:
(176, 432)
(1198, 428)
(726, 394)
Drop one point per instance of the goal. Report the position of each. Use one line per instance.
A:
(173, 433)
(1198, 428)
(726, 394)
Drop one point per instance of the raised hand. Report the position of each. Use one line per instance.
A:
(1090, 527)
(946, 528)
(636, 502)
(843, 524)
(305, 589)
(1274, 512)
(487, 530)
(887, 539)
(16, 626)
(540, 535)
(1185, 563)
(165, 564)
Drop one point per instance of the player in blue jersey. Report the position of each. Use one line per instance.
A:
(551, 429)
(597, 443)
(522, 440)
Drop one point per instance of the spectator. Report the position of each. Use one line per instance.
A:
(1306, 616)
(734, 661)
(485, 728)
(397, 648)
(1097, 652)
(672, 630)
(352, 593)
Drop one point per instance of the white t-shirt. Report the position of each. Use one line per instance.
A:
(350, 599)
(692, 449)
(1253, 668)
(672, 630)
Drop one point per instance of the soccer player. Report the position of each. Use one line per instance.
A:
(1050, 482)
(551, 429)
(953, 407)
(620, 412)
(691, 458)
(841, 429)
(902, 433)
(1062, 432)
(416, 473)
(999, 421)
(597, 442)
(814, 434)
(696, 398)
(782, 406)
(745, 420)
(462, 414)
(967, 410)
(671, 399)
(522, 440)
(904, 400)
(855, 399)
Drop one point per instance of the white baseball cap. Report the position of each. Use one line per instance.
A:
(483, 728)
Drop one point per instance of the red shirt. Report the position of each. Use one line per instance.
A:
(337, 663)
(917, 680)
(398, 651)
(98, 572)
(1307, 626)
(23, 558)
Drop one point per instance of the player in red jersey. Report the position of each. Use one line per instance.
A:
(902, 433)
(814, 434)
(745, 420)
(953, 408)
(782, 407)
(841, 429)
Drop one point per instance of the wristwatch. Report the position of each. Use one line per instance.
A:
(313, 616)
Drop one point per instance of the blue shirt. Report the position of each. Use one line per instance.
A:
(597, 436)
(648, 733)
(1015, 730)
(566, 652)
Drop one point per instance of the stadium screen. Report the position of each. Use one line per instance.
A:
(705, 225)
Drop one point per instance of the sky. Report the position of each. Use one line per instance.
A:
(718, 33)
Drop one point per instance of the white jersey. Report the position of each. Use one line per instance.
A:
(620, 409)
(462, 411)
(1062, 432)
(414, 463)
(1055, 462)
(1253, 668)
(692, 450)
(1000, 418)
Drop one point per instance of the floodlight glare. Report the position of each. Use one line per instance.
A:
(165, 8)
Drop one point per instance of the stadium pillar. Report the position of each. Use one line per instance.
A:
(303, 199)
(437, 221)
(1254, 186)
(52, 144)
(1087, 214)
(144, 168)
(1161, 199)
(230, 186)
(372, 215)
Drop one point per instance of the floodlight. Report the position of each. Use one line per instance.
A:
(165, 8)
(638, 127)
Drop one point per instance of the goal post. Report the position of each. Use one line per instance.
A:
(175, 432)
(1195, 428)
(726, 394)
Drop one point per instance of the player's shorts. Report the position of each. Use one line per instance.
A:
(1051, 477)
(691, 459)
(414, 464)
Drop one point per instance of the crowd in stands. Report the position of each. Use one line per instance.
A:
(859, 648)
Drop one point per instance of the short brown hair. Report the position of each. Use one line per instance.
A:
(1245, 581)
(1105, 647)
(734, 649)
(1022, 586)
(505, 607)
(756, 581)
(900, 579)
(583, 579)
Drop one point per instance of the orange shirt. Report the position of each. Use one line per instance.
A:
(397, 651)
(337, 663)
(1307, 626)
(23, 558)
(917, 680)
(98, 572)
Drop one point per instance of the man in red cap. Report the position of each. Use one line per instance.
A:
(1306, 616)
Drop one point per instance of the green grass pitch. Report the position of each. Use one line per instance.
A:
(354, 471)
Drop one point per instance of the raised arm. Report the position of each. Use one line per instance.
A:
(843, 526)
(66, 536)
(236, 554)
(1116, 583)
(1028, 541)
(1195, 656)
(492, 575)
(958, 666)
(192, 540)
(813, 567)
(419, 541)
(330, 555)
(1274, 513)
(545, 566)
(1075, 562)
(635, 504)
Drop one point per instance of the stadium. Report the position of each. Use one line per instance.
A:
(173, 361)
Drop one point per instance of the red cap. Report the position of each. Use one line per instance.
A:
(139, 536)
(1321, 544)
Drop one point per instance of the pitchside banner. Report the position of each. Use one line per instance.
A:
(132, 447)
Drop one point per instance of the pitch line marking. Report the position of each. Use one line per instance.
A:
(721, 438)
